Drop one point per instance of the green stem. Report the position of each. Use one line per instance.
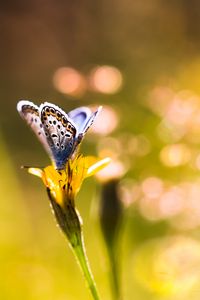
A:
(80, 254)
(70, 222)
(113, 274)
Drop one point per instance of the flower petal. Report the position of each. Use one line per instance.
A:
(97, 165)
(36, 171)
(65, 184)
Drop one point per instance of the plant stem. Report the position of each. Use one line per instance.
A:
(69, 221)
(80, 254)
(113, 274)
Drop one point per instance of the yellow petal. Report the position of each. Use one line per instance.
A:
(97, 165)
(66, 183)
(79, 170)
(36, 171)
(55, 181)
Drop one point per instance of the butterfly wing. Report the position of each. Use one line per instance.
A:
(30, 113)
(80, 116)
(83, 118)
(60, 132)
(90, 121)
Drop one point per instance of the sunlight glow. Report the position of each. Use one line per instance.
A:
(106, 79)
(109, 146)
(115, 169)
(69, 81)
(106, 122)
(171, 202)
(175, 155)
(179, 113)
(129, 191)
(168, 266)
(152, 187)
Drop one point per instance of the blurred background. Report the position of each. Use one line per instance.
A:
(141, 61)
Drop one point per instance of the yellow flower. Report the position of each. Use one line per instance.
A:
(62, 187)
(65, 184)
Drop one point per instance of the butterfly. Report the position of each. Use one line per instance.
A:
(60, 133)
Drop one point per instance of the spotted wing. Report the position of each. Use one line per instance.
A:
(30, 113)
(60, 132)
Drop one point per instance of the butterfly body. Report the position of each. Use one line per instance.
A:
(59, 132)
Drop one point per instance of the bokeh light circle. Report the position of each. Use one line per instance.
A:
(69, 81)
(106, 79)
